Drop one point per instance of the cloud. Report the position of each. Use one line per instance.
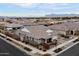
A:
(24, 4)
(44, 5)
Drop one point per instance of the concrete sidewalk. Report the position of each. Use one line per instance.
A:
(35, 50)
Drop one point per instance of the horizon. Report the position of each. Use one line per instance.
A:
(37, 9)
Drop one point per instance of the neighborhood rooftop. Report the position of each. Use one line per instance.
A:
(38, 31)
(7, 25)
(65, 26)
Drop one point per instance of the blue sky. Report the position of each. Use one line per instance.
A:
(37, 9)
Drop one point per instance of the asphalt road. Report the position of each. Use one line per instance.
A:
(9, 50)
(73, 51)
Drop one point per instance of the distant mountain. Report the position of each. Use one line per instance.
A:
(61, 15)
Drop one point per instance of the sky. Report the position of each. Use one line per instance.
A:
(37, 9)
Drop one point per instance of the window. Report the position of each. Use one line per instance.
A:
(14, 28)
(43, 40)
(33, 39)
(18, 27)
(71, 32)
(27, 37)
(49, 40)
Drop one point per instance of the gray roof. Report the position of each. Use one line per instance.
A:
(38, 32)
(12, 25)
(65, 26)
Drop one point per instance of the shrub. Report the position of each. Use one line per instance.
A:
(28, 49)
(47, 54)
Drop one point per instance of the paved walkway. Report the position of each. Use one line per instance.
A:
(35, 50)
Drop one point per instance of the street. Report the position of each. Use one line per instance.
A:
(9, 50)
(73, 51)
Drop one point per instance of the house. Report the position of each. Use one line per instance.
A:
(66, 28)
(11, 26)
(36, 35)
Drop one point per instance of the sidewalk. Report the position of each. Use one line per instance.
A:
(35, 50)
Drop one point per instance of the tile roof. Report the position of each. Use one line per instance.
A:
(38, 32)
(12, 25)
(65, 26)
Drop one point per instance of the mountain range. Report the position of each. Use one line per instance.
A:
(61, 15)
